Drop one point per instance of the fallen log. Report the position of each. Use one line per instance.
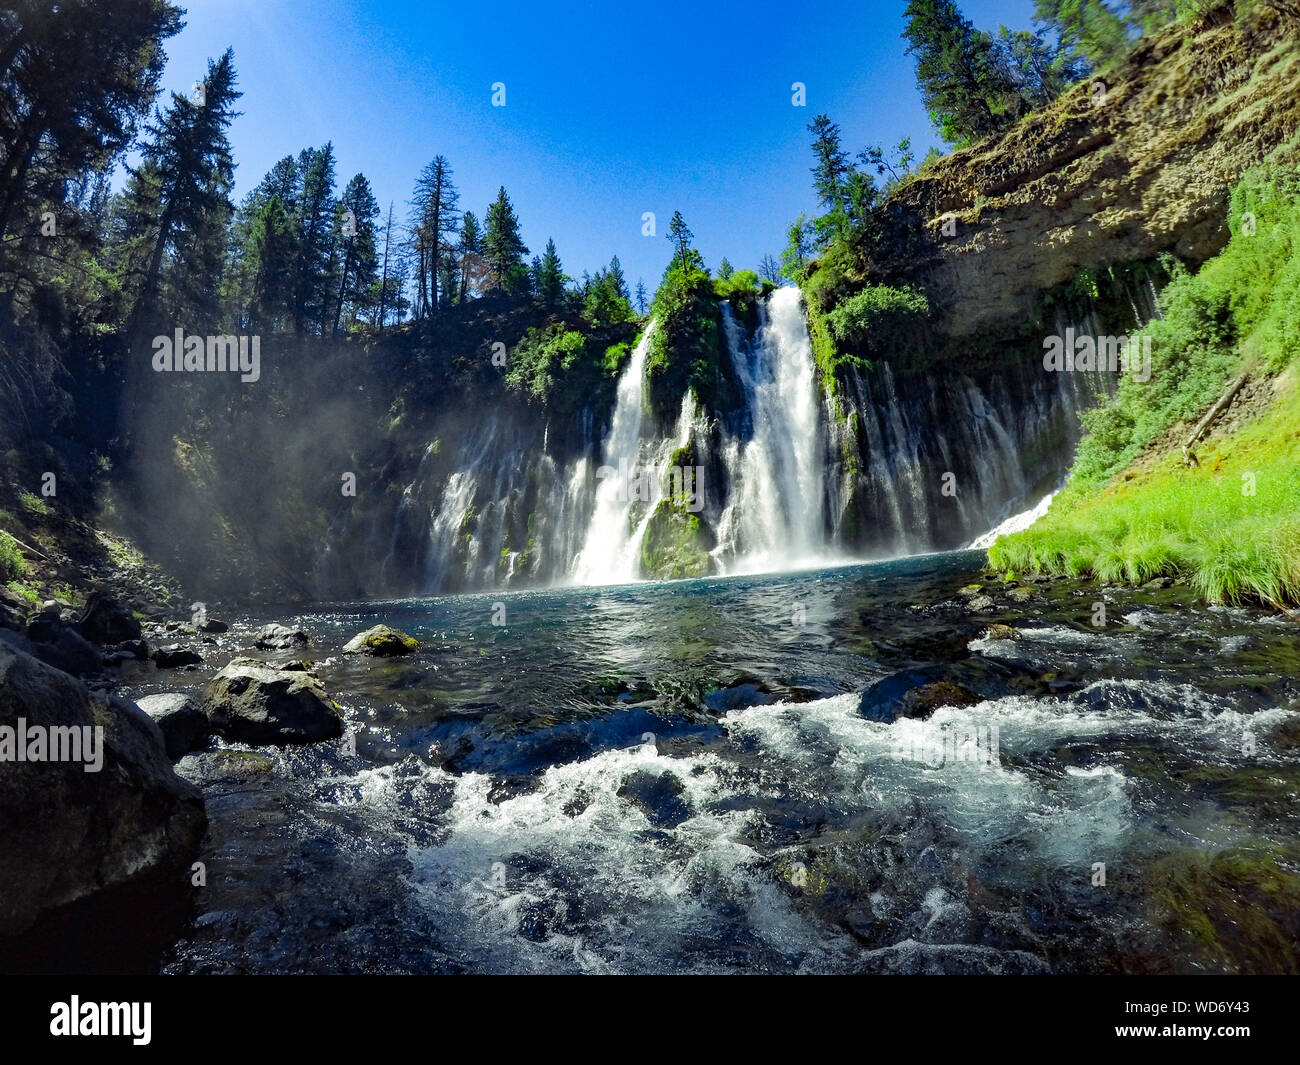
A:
(1211, 416)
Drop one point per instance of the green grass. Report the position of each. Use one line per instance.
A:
(1241, 311)
(1198, 523)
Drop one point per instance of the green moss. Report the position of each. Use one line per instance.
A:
(1239, 910)
(676, 544)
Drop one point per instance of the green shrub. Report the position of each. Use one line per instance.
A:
(12, 564)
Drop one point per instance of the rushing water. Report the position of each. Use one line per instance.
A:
(684, 777)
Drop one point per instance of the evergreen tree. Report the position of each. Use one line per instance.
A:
(725, 269)
(75, 81)
(434, 218)
(798, 249)
(550, 276)
(616, 276)
(1090, 31)
(503, 247)
(641, 302)
(176, 205)
(684, 256)
(1039, 70)
(315, 219)
(470, 252)
(830, 178)
(965, 89)
(272, 251)
(359, 259)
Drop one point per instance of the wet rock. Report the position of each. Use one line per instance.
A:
(280, 638)
(1020, 594)
(723, 700)
(980, 602)
(66, 834)
(1001, 632)
(381, 642)
(108, 621)
(137, 649)
(660, 795)
(213, 625)
(180, 718)
(970, 591)
(224, 767)
(1158, 584)
(256, 704)
(914, 693)
(175, 655)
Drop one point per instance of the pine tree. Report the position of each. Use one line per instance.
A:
(176, 205)
(830, 174)
(359, 260)
(315, 219)
(684, 256)
(503, 247)
(469, 249)
(1090, 31)
(550, 276)
(435, 214)
(725, 269)
(616, 276)
(964, 88)
(798, 249)
(75, 81)
(641, 303)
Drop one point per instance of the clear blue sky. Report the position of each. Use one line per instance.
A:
(611, 110)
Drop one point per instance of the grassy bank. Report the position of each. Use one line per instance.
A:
(1135, 509)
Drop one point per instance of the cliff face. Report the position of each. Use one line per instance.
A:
(1115, 172)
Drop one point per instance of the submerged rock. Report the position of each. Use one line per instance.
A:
(68, 834)
(280, 638)
(659, 795)
(180, 718)
(258, 704)
(738, 697)
(381, 642)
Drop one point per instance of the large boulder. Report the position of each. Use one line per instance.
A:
(181, 720)
(108, 620)
(175, 655)
(58, 644)
(69, 830)
(280, 638)
(258, 704)
(382, 642)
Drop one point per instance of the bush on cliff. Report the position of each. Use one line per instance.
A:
(686, 347)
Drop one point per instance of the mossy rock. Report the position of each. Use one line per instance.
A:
(676, 544)
(1239, 910)
(381, 642)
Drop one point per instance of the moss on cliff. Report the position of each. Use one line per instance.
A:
(676, 544)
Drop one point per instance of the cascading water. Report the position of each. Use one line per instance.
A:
(775, 517)
(788, 480)
(607, 555)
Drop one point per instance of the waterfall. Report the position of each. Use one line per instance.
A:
(775, 517)
(608, 554)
